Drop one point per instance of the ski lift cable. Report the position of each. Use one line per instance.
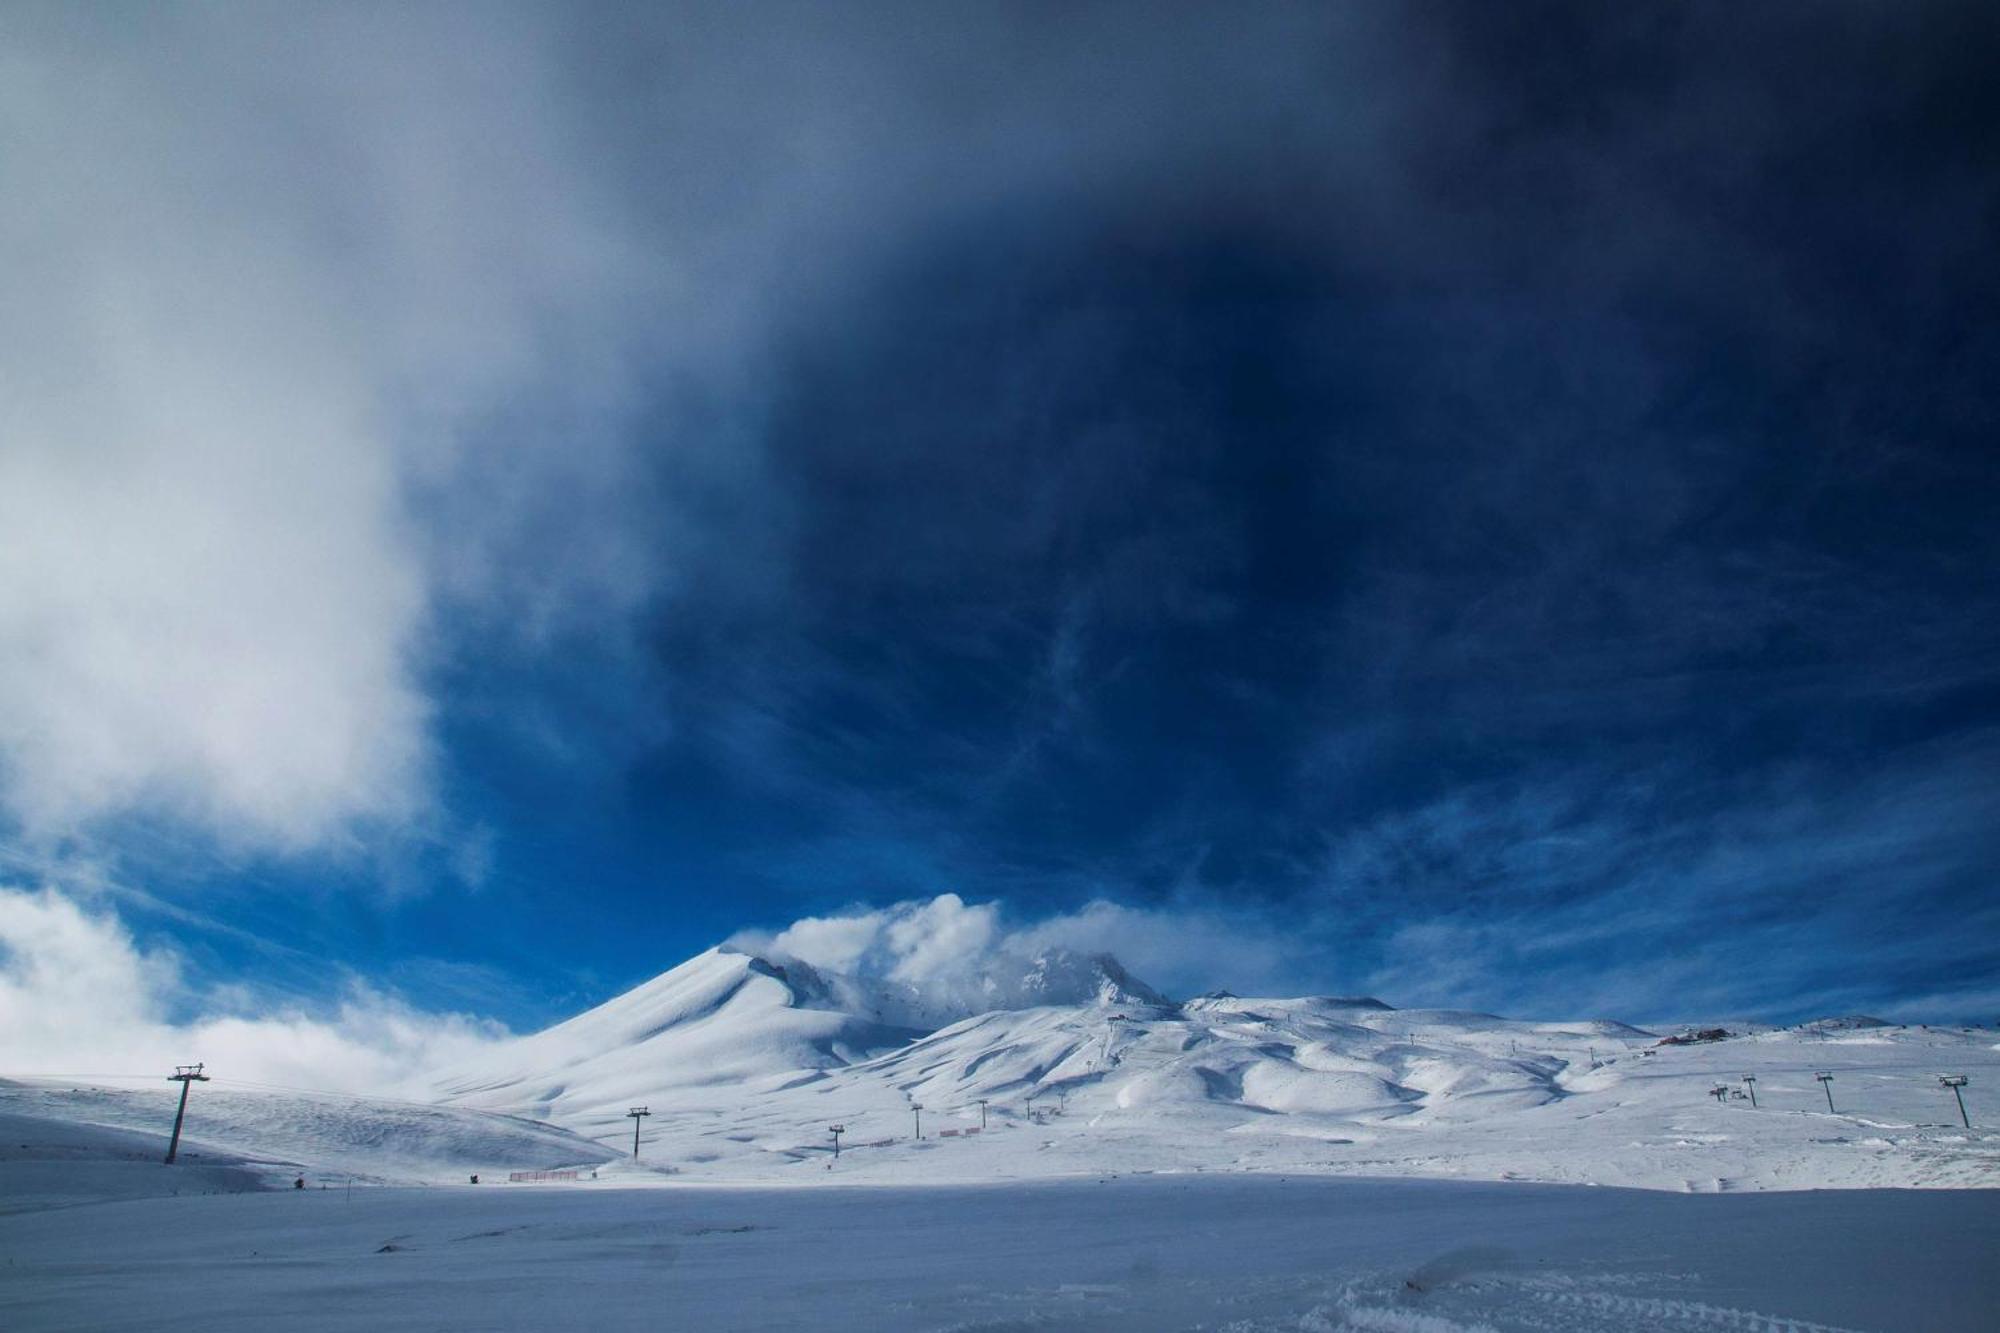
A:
(236, 1082)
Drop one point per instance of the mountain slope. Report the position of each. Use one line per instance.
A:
(66, 1141)
(739, 1042)
(722, 1019)
(1311, 1085)
(746, 1063)
(736, 1020)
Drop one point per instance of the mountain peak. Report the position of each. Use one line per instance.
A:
(1053, 975)
(1056, 975)
(1353, 1002)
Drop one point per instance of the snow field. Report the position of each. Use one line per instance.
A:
(238, 1138)
(1223, 1164)
(1241, 1253)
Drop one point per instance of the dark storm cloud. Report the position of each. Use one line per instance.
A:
(1459, 480)
(1467, 481)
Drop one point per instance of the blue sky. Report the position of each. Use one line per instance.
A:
(1493, 506)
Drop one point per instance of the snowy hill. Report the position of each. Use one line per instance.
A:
(1318, 1086)
(720, 1020)
(745, 1062)
(1157, 1078)
(728, 1019)
(1197, 1139)
(68, 1142)
(732, 1030)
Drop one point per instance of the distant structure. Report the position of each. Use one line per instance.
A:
(638, 1116)
(1955, 1082)
(183, 1075)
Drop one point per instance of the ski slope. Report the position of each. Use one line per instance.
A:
(1223, 1163)
(746, 1063)
(727, 1026)
(69, 1143)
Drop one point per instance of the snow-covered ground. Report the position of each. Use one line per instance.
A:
(1221, 1253)
(1226, 1163)
(64, 1143)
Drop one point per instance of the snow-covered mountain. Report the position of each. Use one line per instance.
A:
(723, 1019)
(1060, 976)
(1074, 1065)
(732, 1019)
(732, 1044)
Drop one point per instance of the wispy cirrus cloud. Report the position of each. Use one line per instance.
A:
(1670, 893)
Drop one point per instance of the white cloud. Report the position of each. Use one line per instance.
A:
(952, 952)
(78, 996)
(1184, 950)
(261, 281)
(317, 319)
(936, 938)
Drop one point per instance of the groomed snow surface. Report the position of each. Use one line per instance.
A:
(1220, 1164)
(1245, 1253)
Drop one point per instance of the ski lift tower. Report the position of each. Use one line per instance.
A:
(1955, 1082)
(637, 1115)
(183, 1075)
